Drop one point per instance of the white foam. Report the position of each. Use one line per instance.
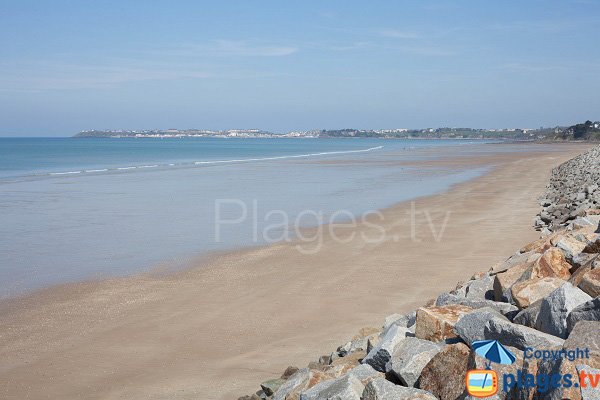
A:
(284, 157)
(232, 161)
(65, 173)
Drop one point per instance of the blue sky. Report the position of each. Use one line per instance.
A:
(67, 66)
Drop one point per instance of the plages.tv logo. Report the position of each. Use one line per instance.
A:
(484, 382)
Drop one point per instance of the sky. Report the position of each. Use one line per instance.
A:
(67, 66)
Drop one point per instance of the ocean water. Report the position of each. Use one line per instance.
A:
(76, 209)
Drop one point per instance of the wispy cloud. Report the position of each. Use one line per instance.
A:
(398, 34)
(236, 48)
(531, 67)
(46, 75)
(548, 26)
(184, 61)
(425, 50)
(415, 49)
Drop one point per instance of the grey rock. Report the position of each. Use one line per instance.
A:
(383, 350)
(570, 188)
(503, 308)
(555, 367)
(354, 345)
(296, 383)
(581, 222)
(478, 289)
(514, 260)
(585, 336)
(444, 376)
(412, 318)
(519, 336)
(364, 373)
(582, 259)
(346, 387)
(590, 282)
(398, 319)
(271, 386)
(381, 389)
(588, 392)
(588, 311)
(410, 357)
(570, 246)
(470, 327)
(404, 321)
(555, 308)
(528, 316)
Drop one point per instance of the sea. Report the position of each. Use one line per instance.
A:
(74, 209)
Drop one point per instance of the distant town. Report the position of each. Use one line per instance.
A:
(585, 131)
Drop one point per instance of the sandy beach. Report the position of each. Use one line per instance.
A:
(217, 329)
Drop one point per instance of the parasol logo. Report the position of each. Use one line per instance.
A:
(484, 382)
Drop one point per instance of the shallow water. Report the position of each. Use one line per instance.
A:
(73, 209)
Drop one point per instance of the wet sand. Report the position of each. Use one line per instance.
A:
(218, 329)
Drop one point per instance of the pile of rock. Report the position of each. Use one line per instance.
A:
(545, 296)
(573, 190)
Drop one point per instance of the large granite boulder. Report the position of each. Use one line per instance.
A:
(444, 376)
(570, 246)
(588, 265)
(555, 308)
(588, 311)
(477, 289)
(590, 282)
(555, 367)
(505, 280)
(382, 352)
(532, 290)
(271, 386)
(538, 246)
(470, 327)
(504, 308)
(365, 373)
(398, 319)
(523, 257)
(409, 358)
(346, 387)
(519, 336)
(528, 316)
(437, 323)
(586, 335)
(381, 389)
(551, 264)
(295, 384)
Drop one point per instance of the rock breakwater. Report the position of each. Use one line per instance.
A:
(573, 190)
(543, 297)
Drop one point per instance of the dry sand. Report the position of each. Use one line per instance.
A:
(217, 330)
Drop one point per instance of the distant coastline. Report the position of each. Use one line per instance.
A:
(588, 131)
